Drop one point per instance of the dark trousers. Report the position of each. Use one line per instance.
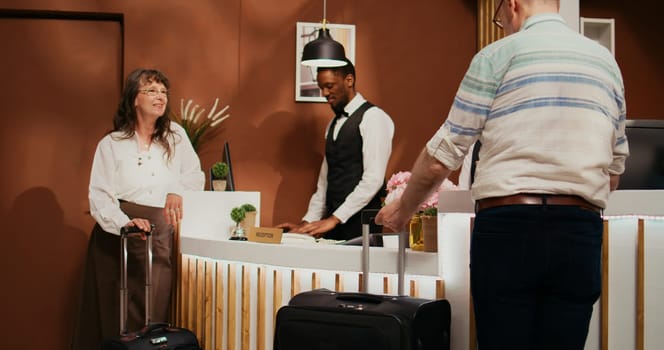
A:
(99, 313)
(535, 275)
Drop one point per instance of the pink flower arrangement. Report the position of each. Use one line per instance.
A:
(398, 182)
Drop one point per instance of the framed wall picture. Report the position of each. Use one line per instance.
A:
(306, 88)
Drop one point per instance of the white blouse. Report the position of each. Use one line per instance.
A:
(123, 170)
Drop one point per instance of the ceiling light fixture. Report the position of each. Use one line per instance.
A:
(324, 51)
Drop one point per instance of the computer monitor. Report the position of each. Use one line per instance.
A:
(644, 168)
(230, 182)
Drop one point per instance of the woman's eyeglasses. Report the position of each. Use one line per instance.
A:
(154, 92)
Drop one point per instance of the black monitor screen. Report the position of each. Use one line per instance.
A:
(644, 168)
(230, 181)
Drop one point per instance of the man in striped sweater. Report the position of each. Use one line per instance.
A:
(548, 107)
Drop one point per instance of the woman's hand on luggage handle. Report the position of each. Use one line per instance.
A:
(143, 224)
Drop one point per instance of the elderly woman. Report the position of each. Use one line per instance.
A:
(139, 172)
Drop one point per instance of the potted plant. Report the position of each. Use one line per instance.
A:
(237, 215)
(249, 220)
(219, 174)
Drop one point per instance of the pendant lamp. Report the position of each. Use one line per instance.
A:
(323, 51)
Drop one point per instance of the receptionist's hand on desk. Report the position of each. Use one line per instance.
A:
(320, 227)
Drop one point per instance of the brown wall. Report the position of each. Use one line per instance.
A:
(639, 51)
(410, 58)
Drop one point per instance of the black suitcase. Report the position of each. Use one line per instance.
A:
(326, 320)
(154, 335)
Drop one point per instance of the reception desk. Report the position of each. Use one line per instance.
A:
(229, 291)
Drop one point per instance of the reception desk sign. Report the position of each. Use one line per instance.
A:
(265, 235)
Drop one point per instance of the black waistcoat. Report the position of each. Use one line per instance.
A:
(345, 168)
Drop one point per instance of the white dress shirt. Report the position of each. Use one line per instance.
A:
(124, 170)
(377, 130)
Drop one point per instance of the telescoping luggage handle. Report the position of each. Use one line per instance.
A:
(368, 215)
(125, 233)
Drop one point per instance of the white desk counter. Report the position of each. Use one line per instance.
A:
(229, 291)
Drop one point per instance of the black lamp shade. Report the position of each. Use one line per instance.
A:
(324, 51)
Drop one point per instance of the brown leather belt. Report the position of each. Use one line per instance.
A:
(536, 199)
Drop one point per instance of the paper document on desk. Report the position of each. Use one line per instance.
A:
(304, 238)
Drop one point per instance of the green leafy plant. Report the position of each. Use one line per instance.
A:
(430, 211)
(237, 215)
(248, 207)
(219, 170)
(198, 128)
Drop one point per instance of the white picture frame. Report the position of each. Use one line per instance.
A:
(306, 88)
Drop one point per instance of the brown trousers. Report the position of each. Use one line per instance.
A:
(99, 313)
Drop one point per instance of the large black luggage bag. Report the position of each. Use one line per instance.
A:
(327, 320)
(154, 335)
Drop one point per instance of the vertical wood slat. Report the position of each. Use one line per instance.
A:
(338, 282)
(246, 308)
(231, 325)
(191, 297)
(184, 293)
(219, 308)
(360, 283)
(315, 280)
(440, 289)
(386, 285)
(200, 299)
(277, 284)
(414, 289)
(260, 317)
(295, 283)
(640, 287)
(604, 296)
(208, 314)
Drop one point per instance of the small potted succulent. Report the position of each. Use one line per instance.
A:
(249, 220)
(237, 215)
(219, 174)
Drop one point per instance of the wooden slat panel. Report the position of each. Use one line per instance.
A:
(260, 317)
(315, 280)
(210, 271)
(184, 293)
(219, 308)
(295, 283)
(604, 296)
(360, 284)
(277, 284)
(338, 282)
(191, 297)
(200, 299)
(640, 287)
(246, 308)
(231, 326)
(414, 290)
(440, 289)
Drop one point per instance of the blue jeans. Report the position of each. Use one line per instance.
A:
(535, 275)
